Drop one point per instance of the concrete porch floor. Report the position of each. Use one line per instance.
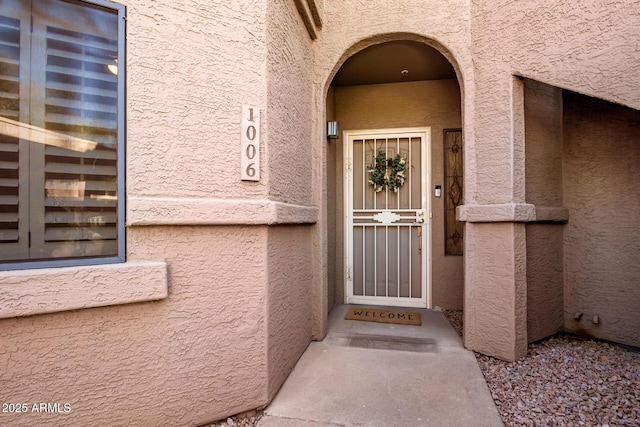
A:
(375, 374)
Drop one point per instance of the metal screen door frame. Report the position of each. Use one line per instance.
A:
(416, 220)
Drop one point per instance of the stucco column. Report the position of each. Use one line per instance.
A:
(495, 289)
(495, 298)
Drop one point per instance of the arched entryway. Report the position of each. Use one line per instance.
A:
(389, 87)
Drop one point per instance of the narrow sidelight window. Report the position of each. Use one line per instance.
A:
(453, 184)
(61, 133)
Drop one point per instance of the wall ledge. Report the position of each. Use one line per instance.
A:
(208, 211)
(49, 290)
(552, 214)
(512, 212)
(310, 14)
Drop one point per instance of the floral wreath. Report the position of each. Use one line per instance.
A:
(387, 172)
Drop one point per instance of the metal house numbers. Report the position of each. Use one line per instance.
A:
(250, 160)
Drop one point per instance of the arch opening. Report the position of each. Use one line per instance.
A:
(398, 82)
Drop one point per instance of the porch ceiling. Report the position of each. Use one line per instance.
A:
(383, 63)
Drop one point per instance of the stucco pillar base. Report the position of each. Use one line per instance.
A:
(495, 289)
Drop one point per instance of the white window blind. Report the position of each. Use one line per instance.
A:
(59, 165)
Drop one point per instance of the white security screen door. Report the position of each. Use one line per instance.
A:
(387, 230)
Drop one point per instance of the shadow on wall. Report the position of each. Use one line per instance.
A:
(601, 172)
(583, 156)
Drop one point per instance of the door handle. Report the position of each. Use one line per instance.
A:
(420, 240)
(420, 217)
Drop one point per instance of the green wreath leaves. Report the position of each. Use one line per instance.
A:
(387, 172)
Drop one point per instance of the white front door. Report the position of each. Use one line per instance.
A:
(387, 221)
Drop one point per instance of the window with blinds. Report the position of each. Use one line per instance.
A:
(61, 132)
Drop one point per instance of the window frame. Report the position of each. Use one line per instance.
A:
(450, 208)
(120, 257)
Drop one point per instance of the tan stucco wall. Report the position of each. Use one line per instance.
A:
(289, 106)
(184, 360)
(585, 49)
(495, 316)
(289, 300)
(543, 175)
(390, 106)
(588, 49)
(333, 149)
(545, 280)
(240, 270)
(218, 344)
(601, 168)
(191, 67)
(293, 309)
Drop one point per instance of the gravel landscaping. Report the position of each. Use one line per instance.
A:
(239, 421)
(563, 381)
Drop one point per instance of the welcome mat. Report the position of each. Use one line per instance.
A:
(399, 317)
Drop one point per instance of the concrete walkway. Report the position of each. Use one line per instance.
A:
(374, 374)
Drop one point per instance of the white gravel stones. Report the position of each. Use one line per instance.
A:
(564, 381)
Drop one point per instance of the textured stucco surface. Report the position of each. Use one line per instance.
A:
(495, 321)
(289, 300)
(349, 27)
(196, 356)
(297, 304)
(206, 211)
(334, 239)
(191, 67)
(545, 281)
(430, 103)
(590, 48)
(543, 144)
(29, 292)
(289, 101)
(543, 149)
(224, 338)
(601, 171)
(204, 352)
(295, 166)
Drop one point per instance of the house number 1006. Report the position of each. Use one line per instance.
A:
(250, 161)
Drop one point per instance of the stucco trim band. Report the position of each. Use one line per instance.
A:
(309, 16)
(48, 290)
(552, 214)
(207, 211)
(511, 212)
